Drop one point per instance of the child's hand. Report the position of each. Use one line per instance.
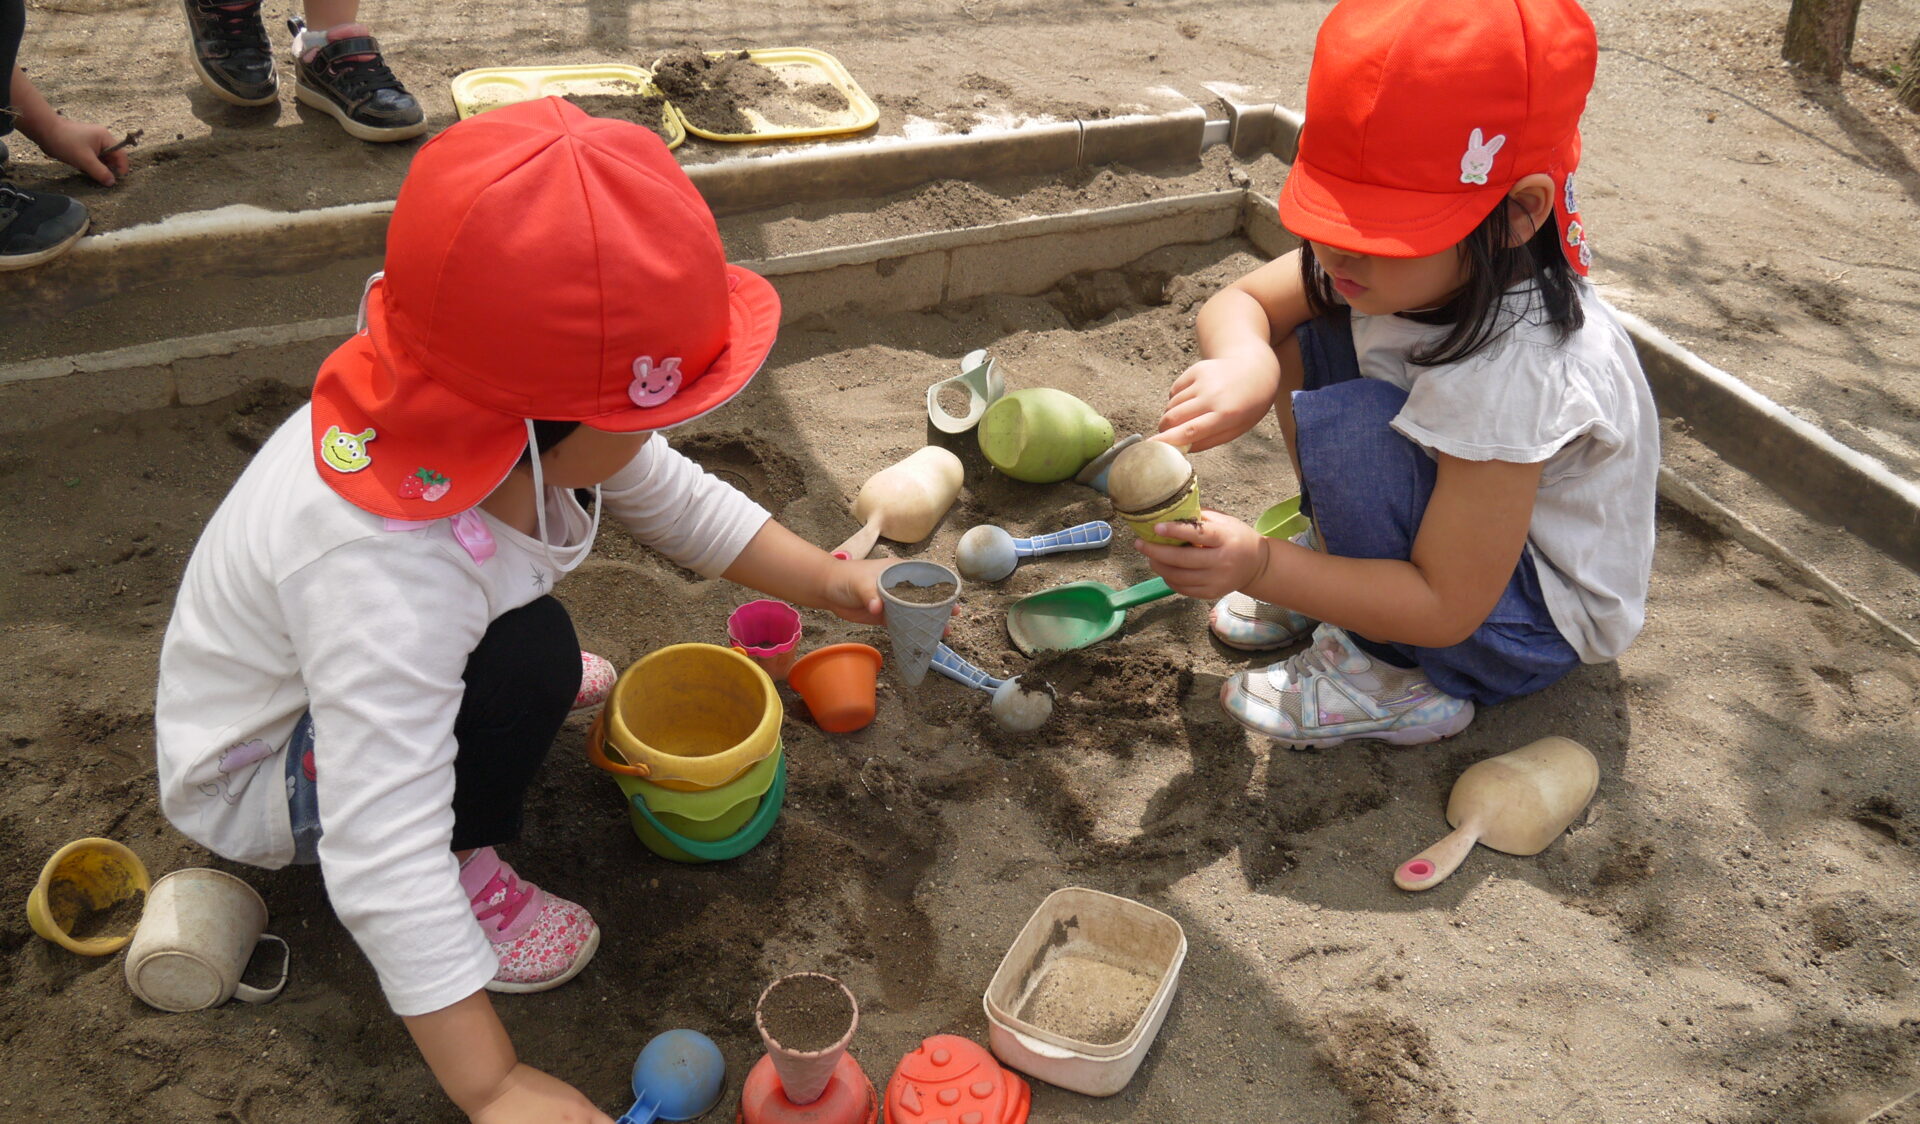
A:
(1219, 399)
(1226, 555)
(528, 1096)
(79, 144)
(853, 590)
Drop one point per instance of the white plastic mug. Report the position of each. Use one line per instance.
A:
(199, 930)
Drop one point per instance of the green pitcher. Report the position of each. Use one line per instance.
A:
(1042, 436)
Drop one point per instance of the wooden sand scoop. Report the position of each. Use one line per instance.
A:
(1518, 802)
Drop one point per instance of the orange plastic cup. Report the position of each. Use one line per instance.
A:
(838, 684)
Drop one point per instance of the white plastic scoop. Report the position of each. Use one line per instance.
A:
(905, 501)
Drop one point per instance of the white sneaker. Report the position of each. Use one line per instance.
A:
(1252, 625)
(1332, 692)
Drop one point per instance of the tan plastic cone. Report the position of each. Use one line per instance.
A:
(804, 1076)
(916, 628)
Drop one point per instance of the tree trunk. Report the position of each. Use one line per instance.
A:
(1909, 92)
(1820, 36)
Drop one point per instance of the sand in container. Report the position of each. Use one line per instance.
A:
(806, 1021)
(918, 599)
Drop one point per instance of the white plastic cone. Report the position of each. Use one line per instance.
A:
(915, 628)
(804, 1076)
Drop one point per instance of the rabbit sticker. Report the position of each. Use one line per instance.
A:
(1478, 159)
(652, 384)
(231, 783)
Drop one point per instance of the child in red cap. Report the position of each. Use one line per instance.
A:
(365, 667)
(1472, 433)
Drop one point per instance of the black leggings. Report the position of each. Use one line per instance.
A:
(13, 25)
(521, 683)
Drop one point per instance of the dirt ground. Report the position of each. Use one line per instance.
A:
(1728, 936)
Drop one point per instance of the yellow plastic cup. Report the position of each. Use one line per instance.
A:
(85, 875)
(691, 717)
(1184, 509)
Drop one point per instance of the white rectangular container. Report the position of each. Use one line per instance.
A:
(1111, 937)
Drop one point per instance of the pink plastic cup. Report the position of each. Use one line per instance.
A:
(769, 631)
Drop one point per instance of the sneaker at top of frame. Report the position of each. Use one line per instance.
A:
(230, 51)
(347, 79)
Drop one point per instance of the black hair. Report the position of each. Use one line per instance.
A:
(547, 434)
(1492, 267)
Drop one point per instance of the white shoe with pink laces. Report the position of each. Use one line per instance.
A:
(541, 941)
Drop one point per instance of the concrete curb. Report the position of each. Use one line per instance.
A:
(246, 241)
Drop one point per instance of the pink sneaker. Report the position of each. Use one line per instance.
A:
(541, 941)
(596, 681)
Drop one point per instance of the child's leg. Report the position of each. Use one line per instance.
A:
(13, 26)
(1319, 353)
(1368, 487)
(521, 682)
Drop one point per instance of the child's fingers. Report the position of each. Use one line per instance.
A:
(1178, 413)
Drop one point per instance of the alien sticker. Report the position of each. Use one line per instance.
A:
(345, 452)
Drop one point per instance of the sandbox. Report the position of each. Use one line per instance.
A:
(1741, 888)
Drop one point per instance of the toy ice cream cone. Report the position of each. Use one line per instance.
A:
(816, 1015)
(919, 599)
(1150, 483)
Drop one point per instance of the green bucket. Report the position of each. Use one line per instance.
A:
(661, 838)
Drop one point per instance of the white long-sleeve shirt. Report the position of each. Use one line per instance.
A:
(296, 600)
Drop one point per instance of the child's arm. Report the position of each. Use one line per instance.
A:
(71, 142)
(1463, 557)
(781, 564)
(1234, 384)
(469, 1052)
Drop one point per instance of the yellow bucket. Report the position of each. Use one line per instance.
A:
(84, 876)
(691, 717)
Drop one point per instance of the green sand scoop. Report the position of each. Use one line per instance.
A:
(1075, 615)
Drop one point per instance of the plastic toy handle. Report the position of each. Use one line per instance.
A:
(1086, 536)
(597, 752)
(861, 544)
(1151, 590)
(1430, 867)
(247, 993)
(954, 666)
(643, 1111)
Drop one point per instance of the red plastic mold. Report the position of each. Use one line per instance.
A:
(849, 1098)
(952, 1080)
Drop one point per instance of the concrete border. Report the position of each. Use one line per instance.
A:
(245, 241)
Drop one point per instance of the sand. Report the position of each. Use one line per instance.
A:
(1728, 935)
(806, 1013)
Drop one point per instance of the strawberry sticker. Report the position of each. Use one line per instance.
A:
(425, 484)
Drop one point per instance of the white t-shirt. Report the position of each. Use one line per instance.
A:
(1581, 405)
(294, 599)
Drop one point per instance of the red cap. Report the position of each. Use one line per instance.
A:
(1423, 114)
(541, 263)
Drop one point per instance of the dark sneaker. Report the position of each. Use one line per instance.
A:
(230, 51)
(348, 79)
(35, 226)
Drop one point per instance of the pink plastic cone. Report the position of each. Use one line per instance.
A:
(804, 1076)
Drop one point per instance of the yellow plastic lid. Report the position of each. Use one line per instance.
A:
(800, 66)
(490, 87)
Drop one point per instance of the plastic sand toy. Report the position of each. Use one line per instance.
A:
(1042, 436)
(1075, 615)
(839, 685)
(849, 1098)
(806, 1021)
(689, 716)
(769, 631)
(1095, 474)
(1518, 802)
(905, 501)
(1016, 706)
(678, 1076)
(915, 622)
(954, 1079)
(980, 377)
(988, 553)
(1283, 520)
(84, 877)
(1153, 482)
